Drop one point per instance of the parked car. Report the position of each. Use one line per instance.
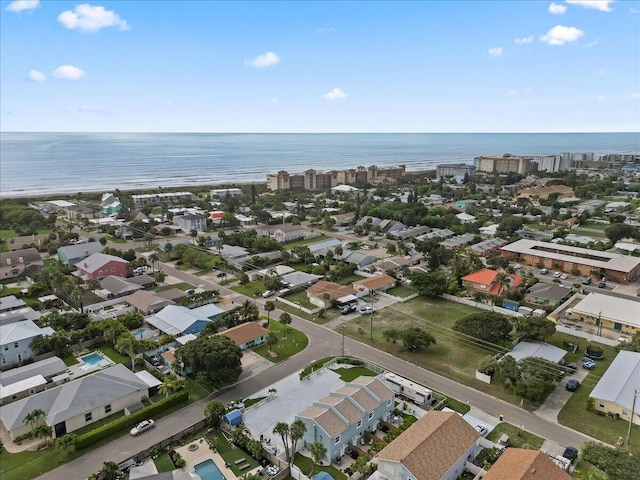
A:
(602, 285)
(586, 281)
(564, 276)
(570, 453)
(415, 262)
(191, 291)
(366, 310)
(481, 429)
(544, 271)
(589, 364)
(504, 440)
(348, 309)
(556, 274)
(517, 266)
(268, 294)
(164, 370)
(572, 385)
(142, 427)
(570, 368)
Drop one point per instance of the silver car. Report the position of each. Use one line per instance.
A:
(142, 427)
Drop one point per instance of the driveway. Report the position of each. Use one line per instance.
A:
(550, 409)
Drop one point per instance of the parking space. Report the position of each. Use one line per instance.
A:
(550, 409)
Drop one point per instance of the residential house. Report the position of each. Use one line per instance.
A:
(465, 218)
(459, 241)
(18, 315)
(525, 464)
(542, 193)
(391, 264)
(78, 403)
(110, 204)
(15, 341)
(73, 254)
(615, 391)
(436, 447)
(345, 190)
(391, 226)
(25, 241)
(334, 291)
(11, 302)
(410, 232)
(21, 382)
(146, 302)
(343, 219)
(342, 418)
(442, 233)
(100, 265)
(297, 280)
(176, 320)
(359, 259)
(321, 248)
(554, 256)
(549, 294)
(464, 204)
(246, 335)
(282, 233)
(485, 281)
(615, 313)
(274, 271)
(189, 223)
(374, 284)
(20, 262)
(535, 349)
(115, 287)
(488, 247)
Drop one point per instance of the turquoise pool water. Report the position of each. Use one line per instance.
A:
(208, 470)
(140, 333)
(94, 359)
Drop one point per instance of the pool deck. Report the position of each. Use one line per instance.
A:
(202, 453)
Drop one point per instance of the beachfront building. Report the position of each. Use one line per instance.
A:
(225, 192)
(615, 391)
(158, 198)
(313, 180)
(455, 170)
(615, 313)
(342, 418)
(193, 222)
(19, 262)
(110, 204)
(555, 256)
(504, 164)
(542, 193)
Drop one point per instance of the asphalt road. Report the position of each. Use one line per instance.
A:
(323, 342)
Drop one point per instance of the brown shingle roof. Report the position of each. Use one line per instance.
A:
(245, 332)
(345, 407)
(378, 388)
(361, 396)
(334, 290)
(326, 419)
(522, 464)
(431, 445)
(375, 282)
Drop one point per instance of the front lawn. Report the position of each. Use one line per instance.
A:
(306, 464)
(184, 286)
(350, 374)
(231, 453)
(163, 463)
(518, 438)
(401, 291)
(295, 342)
(300, 243)
(30, 464)
(251, 289)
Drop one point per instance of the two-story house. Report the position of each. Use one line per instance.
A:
(16, 338)
(19, 262)
(100, 265)
(73, 254)
(342, 418)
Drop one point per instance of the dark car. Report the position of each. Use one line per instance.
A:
(602, 285)
(570, 453)
(572, 385)
(570, 368)
(348, 309)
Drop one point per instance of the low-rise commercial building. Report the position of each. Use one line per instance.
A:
(615, 313)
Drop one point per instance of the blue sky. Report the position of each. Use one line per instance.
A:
(468, 66)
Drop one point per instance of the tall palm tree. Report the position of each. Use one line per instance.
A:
(282, 429)
(271, 340)
(109, 471)
(503, 280)
(326, 297)
(269, 307)
(154, 258)
(128, 345)
(318, 453)
(248, 310)
(296, 432)
(170, 384)
(285, 319)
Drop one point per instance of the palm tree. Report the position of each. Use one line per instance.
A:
(109, 471)
(326, 297)
(93, 284)
(154, 258)
(128, 345)
(43, 431)
(67, 442)
(269, 307)
(248, 310)
(282, 429)
(171, 383)
(271, 340)
(194, 234)
(503, 280)
(296, 432)
(285, 319)
(318, 453)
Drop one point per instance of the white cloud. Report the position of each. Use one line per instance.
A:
(268, 59)
(633, 10)
(91, 109)
(524, 40)
(68, 71)
(602, 5)
(18, 6)
(335, 94)
(635, 95)
(36, 76)
(600, 98)
(495, 52)
(325, 30)
(559, 35)
(557, 9)
(274, 100)
(88, 18)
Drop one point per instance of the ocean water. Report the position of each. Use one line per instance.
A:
(45, 163)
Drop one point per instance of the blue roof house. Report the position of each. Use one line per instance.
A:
(178, 321)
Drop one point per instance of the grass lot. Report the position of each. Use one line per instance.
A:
(349, 279)
(70, 360)
(301, 299)
(230, 453)
(251, 289)
(251, 401)
(350, 374)
(295, 342)
(197, 390)
(400, 291)
(108, 350)
(6, 291)
(306, 464)
(163, 463)
(518, 438)
(307, 241)
(451, 356)
(23, 465)
(184, 286)
(7, 233)
(576, 416)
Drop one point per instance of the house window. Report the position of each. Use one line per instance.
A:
(15, 345)
(370, 415)
(88, 417)
(359, 423)
(6, 347)
(602, 405)
(389, 403)
(338, 439)
(100, 272)
(107, 408)
(113, 269)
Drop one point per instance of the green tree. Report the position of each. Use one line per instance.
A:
(67, 442)
(109, 471)
(432, 284)
(128, 345)
(282, 429)
(269, 307)
(487, 326)
(285, 319)
(214, 412)
(171, 383)
(271, 340)
(617, 231)
(32, 418)
(216, 357)
(534, 328)
(414, 338)
(318, 453)
(391, 334)
(296, 432)
(503, 280)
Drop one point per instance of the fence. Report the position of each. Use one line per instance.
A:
(295, 305)
(483, 306)
(398, 299)
(586, 335)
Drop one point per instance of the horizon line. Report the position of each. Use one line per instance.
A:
(324, 133)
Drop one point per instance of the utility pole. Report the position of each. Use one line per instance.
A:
(636, 391)
(343, 339)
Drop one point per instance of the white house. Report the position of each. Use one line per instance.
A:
(15, 339)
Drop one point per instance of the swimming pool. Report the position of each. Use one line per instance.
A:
(140, 333)
(208, 470)
(95, 359)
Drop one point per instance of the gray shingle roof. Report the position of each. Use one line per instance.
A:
(98, 260)
(47, 368)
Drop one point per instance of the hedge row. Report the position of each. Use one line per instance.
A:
(126, 422)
